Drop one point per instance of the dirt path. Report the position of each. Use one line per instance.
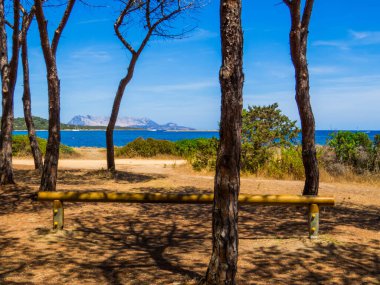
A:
(170, 244)
(101, 163)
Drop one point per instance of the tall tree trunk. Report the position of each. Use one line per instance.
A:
(8, 80)
(6, 170)
(298, 46)
(26, 100)
(49, 174)
(111, 125)
(115, 112)
(50, 169)
(223, 264)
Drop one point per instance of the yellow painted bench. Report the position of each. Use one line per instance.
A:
(312, 202)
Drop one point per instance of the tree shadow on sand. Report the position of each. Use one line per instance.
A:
(17, 199)
(9, 263)
(79, 177)
(320, 263)
(161, 244)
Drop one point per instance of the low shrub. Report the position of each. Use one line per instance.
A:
(355, 149)
(253, 157)
(146, 148)
(344, 154)
(201, 153)
(21, 146)
(376, 162)
(285, 163)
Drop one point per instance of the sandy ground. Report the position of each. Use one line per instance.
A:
(100, 163)
(170, 244)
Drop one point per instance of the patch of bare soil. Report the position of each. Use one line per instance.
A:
(171, 244)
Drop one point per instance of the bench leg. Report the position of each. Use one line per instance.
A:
(313, 221)
(57, 215)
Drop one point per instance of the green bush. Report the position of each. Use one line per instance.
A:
(353, 148)
(21, 146)
(146, 148)
(201, 153)
(285, 163)
(376, 162)
(263, 128)
(376, 141)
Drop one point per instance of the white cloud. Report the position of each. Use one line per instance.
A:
(366, 37)
(356, 38)
(201, 34)
(93, 21)
(196, 35)
(360, 81)
(359, 35)
(334, 43)
(178, 87)
(93, 53)
(324, 69)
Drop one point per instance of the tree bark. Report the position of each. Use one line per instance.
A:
(298, 47)
(8, 80)
(223, 264)
(49, 175)
(26, 100)
(115, 112)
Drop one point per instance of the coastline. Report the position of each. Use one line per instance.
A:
(95, 138)
(143, 130)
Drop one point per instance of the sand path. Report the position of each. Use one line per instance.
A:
(155, 244)
(101, 163)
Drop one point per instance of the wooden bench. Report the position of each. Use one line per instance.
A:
(312, 202)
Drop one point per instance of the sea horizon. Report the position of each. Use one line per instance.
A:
(97, 138)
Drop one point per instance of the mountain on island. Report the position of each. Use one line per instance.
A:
(125, 122)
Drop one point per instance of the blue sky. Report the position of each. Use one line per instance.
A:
(177, 80)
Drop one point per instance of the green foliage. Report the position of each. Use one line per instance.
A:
(21, 146)
(201, 153)
(356, 150)
(376, 141)
(376, 162)
(39, 124)
(262, 129)
(286, 162)
(146, 148)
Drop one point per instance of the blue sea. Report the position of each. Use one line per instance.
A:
(98, 138)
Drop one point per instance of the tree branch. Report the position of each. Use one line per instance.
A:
(42, 27)
(295, 11)
(8, 24)
(61, 26)
(287, 2)
(26, 21)
(85, 3)
(307, 14)
(15, 41)
(22, 9)
(3, 41)
(117, 25)
(147, 14)
(155, 25)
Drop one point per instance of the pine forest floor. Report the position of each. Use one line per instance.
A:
(147, 244)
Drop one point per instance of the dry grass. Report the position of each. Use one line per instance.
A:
(371, 179)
